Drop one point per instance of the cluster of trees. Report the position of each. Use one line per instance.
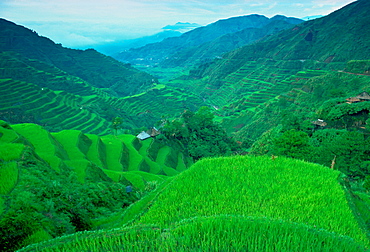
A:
(198, 135)
(347, 151)
(342, 143)
(51, 204)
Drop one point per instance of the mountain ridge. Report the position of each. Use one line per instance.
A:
(328, 40)
(155, 53)
(87, 65)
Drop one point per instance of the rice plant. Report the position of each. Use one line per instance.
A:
(212, 233)
(281, 188)
(10, 151)
(8, 176)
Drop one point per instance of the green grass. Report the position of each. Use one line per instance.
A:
(75, 149)
(215, 233)
(38, 236)
(43, 142)
(240, 203)
(8, 176)
(135, 210)
(285, 189)
(96, 152)
(70, 139)
(7, 135)
(180, 163)
(113, 151)
(2, 206)
(134, 157)
(10, 151)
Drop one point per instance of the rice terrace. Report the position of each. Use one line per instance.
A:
(230, 132)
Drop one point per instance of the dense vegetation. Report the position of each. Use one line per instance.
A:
(59, 183)
(198, 134)
(234, 203)
(69, 157)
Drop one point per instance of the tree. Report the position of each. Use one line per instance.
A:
(293, 143)
(117, 123)
(349, 147)
(199, 135)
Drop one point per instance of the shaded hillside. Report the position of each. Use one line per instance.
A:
(231, 41)
(95, 68)
(338, 37)
(239, 204)
(243, 81)
(155, 53)
(35, 92)
(54, 184)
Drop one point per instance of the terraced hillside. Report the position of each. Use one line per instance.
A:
(35, 92)
(26, 102)
(313, 43)
(49, 172)
(243, 81)
(237, 96)
(95, 68)
(239, 204)
(113, 154)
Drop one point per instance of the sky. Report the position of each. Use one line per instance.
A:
(81, 23)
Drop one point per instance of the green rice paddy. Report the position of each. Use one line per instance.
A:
(240, 203)
(115, 155)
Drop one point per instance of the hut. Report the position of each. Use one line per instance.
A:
(353, 100)
(143, 135)
(153, 132)
(320, 123)
(364, 96)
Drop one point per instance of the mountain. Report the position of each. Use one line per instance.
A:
(113, 48)
(181, 26)
(333, 39)
(155, 53)
(311, 17)
(36, 92)
(338, 37)
(95, 68)
(60, 88)
(226, 43)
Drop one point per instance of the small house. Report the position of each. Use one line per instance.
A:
(143, 135)
(353, 100)
(153, 132)
(320, 123)
(364, 96)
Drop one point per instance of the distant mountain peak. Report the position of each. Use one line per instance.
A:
(182, 26)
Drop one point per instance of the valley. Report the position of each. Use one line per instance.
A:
(256, 138)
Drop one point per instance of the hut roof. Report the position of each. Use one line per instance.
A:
(143, 135)
(353, 99)
(153, 132)
(363, 96)
(320, 123)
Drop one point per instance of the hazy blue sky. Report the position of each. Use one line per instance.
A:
(76, 23)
